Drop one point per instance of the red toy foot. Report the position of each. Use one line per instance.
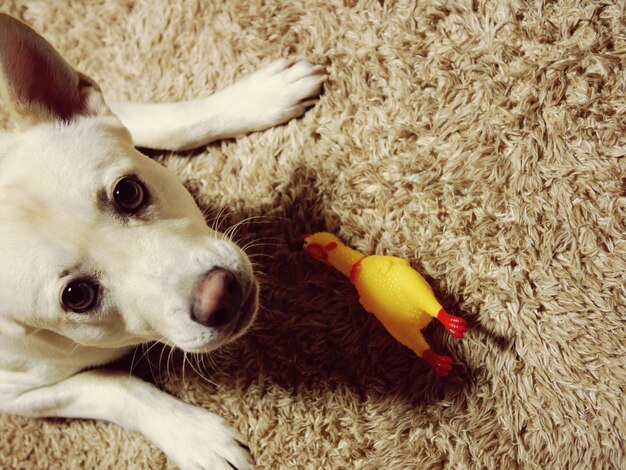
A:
(455, 325)
(440, 364)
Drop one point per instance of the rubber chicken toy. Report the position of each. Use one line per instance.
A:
(393, 291)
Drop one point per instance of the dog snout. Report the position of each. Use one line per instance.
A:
(217, 298)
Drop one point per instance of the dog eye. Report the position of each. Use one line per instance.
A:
(80, 296)
(130, 195)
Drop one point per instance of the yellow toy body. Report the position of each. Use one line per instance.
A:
(392, 290)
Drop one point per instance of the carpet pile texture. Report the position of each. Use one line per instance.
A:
(483, 141)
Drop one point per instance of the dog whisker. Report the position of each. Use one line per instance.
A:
(149, 348)
(208, 212)
(253, 245)
(201, 374)
(230, 231)
(183, 370)
(151, 365)
(169, 370)
(220, 218)
(160, 363)
(132, 361)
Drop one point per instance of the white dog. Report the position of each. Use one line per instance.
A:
(103, 249)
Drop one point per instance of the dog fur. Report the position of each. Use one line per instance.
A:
(59, 223)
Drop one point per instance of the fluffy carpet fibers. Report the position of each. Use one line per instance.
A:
(482, 141)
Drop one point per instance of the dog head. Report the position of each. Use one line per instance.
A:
(100, 245)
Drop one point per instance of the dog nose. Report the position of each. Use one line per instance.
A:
(217, 298)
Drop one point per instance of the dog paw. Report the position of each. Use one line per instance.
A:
(278, 92)
(206, 442)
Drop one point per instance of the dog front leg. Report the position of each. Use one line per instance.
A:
(190, 436)
(270, 96)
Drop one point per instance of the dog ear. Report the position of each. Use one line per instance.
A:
(38, 83)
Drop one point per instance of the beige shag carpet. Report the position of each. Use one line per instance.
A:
(483, 141)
